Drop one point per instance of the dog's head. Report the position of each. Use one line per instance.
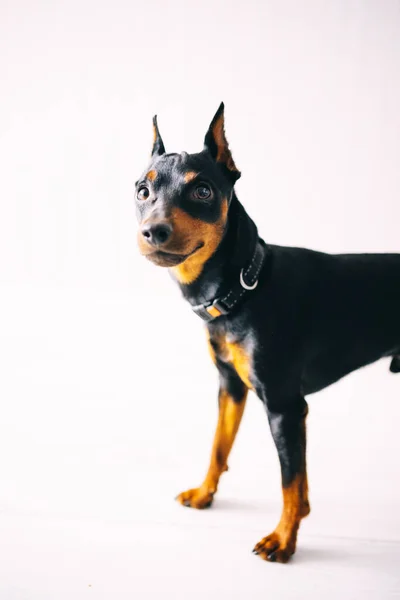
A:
(182, 202)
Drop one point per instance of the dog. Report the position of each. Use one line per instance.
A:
(283, 322)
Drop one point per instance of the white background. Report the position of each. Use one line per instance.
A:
(108, 397)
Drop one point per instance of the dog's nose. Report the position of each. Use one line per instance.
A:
(157, 234)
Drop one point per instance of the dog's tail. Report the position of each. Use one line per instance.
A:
(395, 364)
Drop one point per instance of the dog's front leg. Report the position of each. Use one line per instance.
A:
(232, 400)
(289, 432)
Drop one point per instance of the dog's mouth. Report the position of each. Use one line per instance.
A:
(170, 259)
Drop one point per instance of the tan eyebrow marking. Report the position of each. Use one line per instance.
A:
(190, 175)
(151, 175)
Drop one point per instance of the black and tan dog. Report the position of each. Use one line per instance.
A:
(283, 322)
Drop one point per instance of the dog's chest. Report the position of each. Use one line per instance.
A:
(237, 354)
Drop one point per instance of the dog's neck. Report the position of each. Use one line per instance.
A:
(233, 253)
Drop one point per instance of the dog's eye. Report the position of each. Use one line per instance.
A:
(202, 192)
(143, 193)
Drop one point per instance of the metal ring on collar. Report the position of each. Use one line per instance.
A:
(244, 284)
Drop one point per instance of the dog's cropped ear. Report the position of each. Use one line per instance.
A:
(158, 145)
(216, 143)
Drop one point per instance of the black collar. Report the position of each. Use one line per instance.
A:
(246, 282)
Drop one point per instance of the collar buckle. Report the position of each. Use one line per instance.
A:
(216, 309)
(211, 310)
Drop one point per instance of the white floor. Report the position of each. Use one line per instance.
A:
(108, 413)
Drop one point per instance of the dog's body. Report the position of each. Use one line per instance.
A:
(298, 321)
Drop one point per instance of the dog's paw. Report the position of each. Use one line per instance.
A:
(275, 549)
(196, 498)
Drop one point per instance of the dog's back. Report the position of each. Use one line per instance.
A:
(347, 309)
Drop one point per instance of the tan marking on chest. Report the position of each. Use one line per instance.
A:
(234, 354)
(240, 361)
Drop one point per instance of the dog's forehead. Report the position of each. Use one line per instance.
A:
(168, 163)
(172, 163)
(175, 168)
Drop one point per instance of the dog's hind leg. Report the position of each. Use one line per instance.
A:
(395, 364)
